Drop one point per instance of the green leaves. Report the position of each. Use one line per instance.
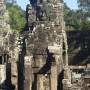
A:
(84, 5)
(17, 17)
(71, 19)
(78, 19)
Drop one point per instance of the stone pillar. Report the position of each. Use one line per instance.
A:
(3, 59)
(14, 74)
(55, 68)
(2, 73)
(28, 73)
(40, 85)
(54, 77)
(67, 78)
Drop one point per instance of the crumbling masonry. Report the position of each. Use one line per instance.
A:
(37, 58)
(9, 52)
(46, 45)
(46, 49)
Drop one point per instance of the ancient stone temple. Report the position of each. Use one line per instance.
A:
(4, 33)
(46, 45)
(8, 51)
(37, 59)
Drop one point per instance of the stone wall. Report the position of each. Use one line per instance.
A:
(78, 44)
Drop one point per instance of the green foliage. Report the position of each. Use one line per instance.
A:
(17, 17)
(84, 5)
(71, 18)
(79, 19)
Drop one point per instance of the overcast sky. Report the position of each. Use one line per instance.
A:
(71, 3)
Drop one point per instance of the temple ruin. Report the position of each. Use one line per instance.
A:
(46, 45)
(9, 51)
(37, 58)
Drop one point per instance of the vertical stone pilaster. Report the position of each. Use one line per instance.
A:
(40, 85)
(14, 75)
(28, 73)
(54, 77)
